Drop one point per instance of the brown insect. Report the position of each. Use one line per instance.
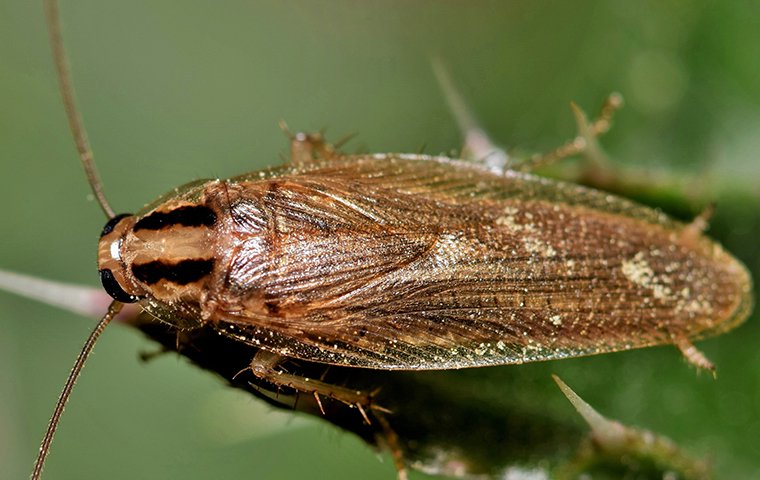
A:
(413, 262)
(407, 262)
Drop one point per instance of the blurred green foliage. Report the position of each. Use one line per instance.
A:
(172, 91)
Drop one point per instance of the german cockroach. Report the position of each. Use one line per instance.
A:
(405, 262)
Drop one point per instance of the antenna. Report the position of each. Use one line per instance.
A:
(113, 310)
(69, 103)
(85, 156)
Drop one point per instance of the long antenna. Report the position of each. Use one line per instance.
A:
(69, 103)
(113, 310)
(85, 156)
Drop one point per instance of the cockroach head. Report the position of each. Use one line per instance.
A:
(111, 265)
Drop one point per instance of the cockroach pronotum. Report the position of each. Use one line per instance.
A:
(405, 262)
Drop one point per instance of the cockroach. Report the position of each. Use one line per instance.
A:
(405, 262)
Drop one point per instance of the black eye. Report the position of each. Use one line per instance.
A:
(112, 223)
(113, 288)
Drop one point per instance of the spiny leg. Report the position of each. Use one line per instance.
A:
(585, 142)
(305, 148)
(699, 225)
(264, 365)
(479, 148)
(695, 356)
(690, 236)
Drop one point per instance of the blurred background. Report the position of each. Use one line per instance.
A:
(174, 91)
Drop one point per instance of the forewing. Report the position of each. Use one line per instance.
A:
(437, 264)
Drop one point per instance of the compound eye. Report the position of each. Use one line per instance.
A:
(111, 224)
(113, 288)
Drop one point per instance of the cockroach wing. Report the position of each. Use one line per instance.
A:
(411, 262)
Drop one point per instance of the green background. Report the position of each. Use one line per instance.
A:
(173, 91)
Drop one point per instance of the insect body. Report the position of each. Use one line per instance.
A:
(413, 262)
(405, 262)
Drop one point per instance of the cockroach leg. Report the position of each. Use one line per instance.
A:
(698, 226)
(479, 148)
(610, 441)
(694, 356)
(363, 413)
(264, 366)
(319, 403)
(307, 147)
(585, 142)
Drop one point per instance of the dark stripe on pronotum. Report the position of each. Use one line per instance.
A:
(180, 273)
(187, 216)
